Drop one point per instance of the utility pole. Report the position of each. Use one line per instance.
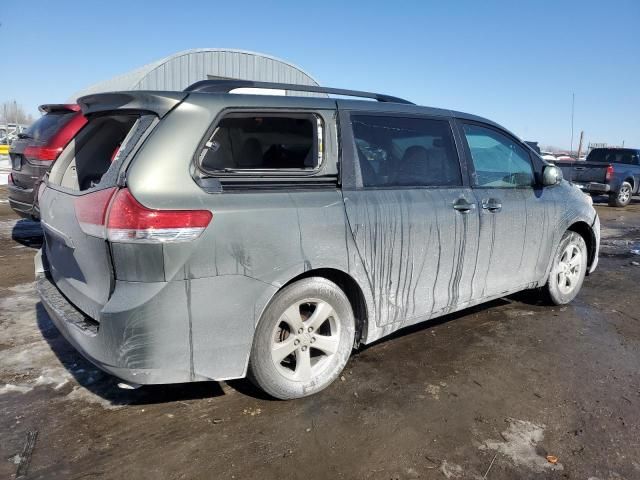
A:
(573, 102)
(580, 144)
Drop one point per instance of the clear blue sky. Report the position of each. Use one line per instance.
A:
(516, 65)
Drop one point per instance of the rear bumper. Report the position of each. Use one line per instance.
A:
(593, 187)
(21, 201)
(22, 191)
(120, 348)
(164, 332)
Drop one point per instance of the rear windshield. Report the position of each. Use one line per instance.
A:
(610, 155)
(262, 142)
(90, 159)
(48, 125)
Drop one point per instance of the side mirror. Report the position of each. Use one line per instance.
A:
(551, 175)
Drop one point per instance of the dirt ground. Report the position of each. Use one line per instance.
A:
(486, 393)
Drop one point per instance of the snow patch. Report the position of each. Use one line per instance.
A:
(520, 441)
(85, 395)
(434, 391)
(33, 351)
(10, 388)
(451, 470)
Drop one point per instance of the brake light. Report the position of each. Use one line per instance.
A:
(117, 216)
(42, 155)
(91, 211)
(45, 155)
(130, 221)
(610, 173)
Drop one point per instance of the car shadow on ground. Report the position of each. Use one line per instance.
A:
(604, 200)
(429, 324)
(28, 233)
(105, 386)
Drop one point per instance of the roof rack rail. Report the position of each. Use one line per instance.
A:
(225, 86)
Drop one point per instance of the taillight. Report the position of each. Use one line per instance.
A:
(117, 216)
(42, 155)
(91, 211)
(610, 172)
(10, 179)
(130, 221)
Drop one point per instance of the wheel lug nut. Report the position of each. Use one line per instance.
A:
(296, 342)
(303, 348)
(300, 330)
(310, 329)
(313, 339)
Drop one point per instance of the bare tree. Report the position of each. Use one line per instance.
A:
(12, 112)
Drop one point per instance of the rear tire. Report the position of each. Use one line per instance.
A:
(303, 339)
(622, 197)
(568, 269)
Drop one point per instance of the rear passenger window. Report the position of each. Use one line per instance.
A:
(498, 160)
(263, 142)
(405, 152)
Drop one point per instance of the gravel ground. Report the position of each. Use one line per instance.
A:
(490, 392)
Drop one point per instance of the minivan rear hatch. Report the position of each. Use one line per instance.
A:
(82, 183)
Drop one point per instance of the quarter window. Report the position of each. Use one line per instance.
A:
(405, 151)
(498, 160)
(263, 142)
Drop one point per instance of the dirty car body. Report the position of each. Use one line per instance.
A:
(162, 260)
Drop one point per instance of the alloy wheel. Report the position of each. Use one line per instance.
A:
(569, 268)
(304, 340)
(624, 194)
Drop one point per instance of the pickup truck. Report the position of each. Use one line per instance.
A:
(606, 171)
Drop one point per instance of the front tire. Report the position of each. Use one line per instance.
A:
(622, 197)
(568, 269)
(303, 339)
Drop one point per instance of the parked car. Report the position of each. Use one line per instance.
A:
(262, 236)
(548, 156)
(609, 171)
(33, 152)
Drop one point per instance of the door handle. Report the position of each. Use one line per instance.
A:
(463, 206)
(492, 205)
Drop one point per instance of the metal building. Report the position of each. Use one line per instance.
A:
(181, 69)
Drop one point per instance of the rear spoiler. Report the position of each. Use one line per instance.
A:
(159, 103)
(59, 107)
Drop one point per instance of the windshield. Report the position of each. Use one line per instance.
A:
(614, 155)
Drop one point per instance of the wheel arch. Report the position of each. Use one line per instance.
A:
(632, 181)
(352, 290)
(586, 232)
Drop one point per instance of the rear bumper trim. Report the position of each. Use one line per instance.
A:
(21, 200)
(593, 187)
(60, 308)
